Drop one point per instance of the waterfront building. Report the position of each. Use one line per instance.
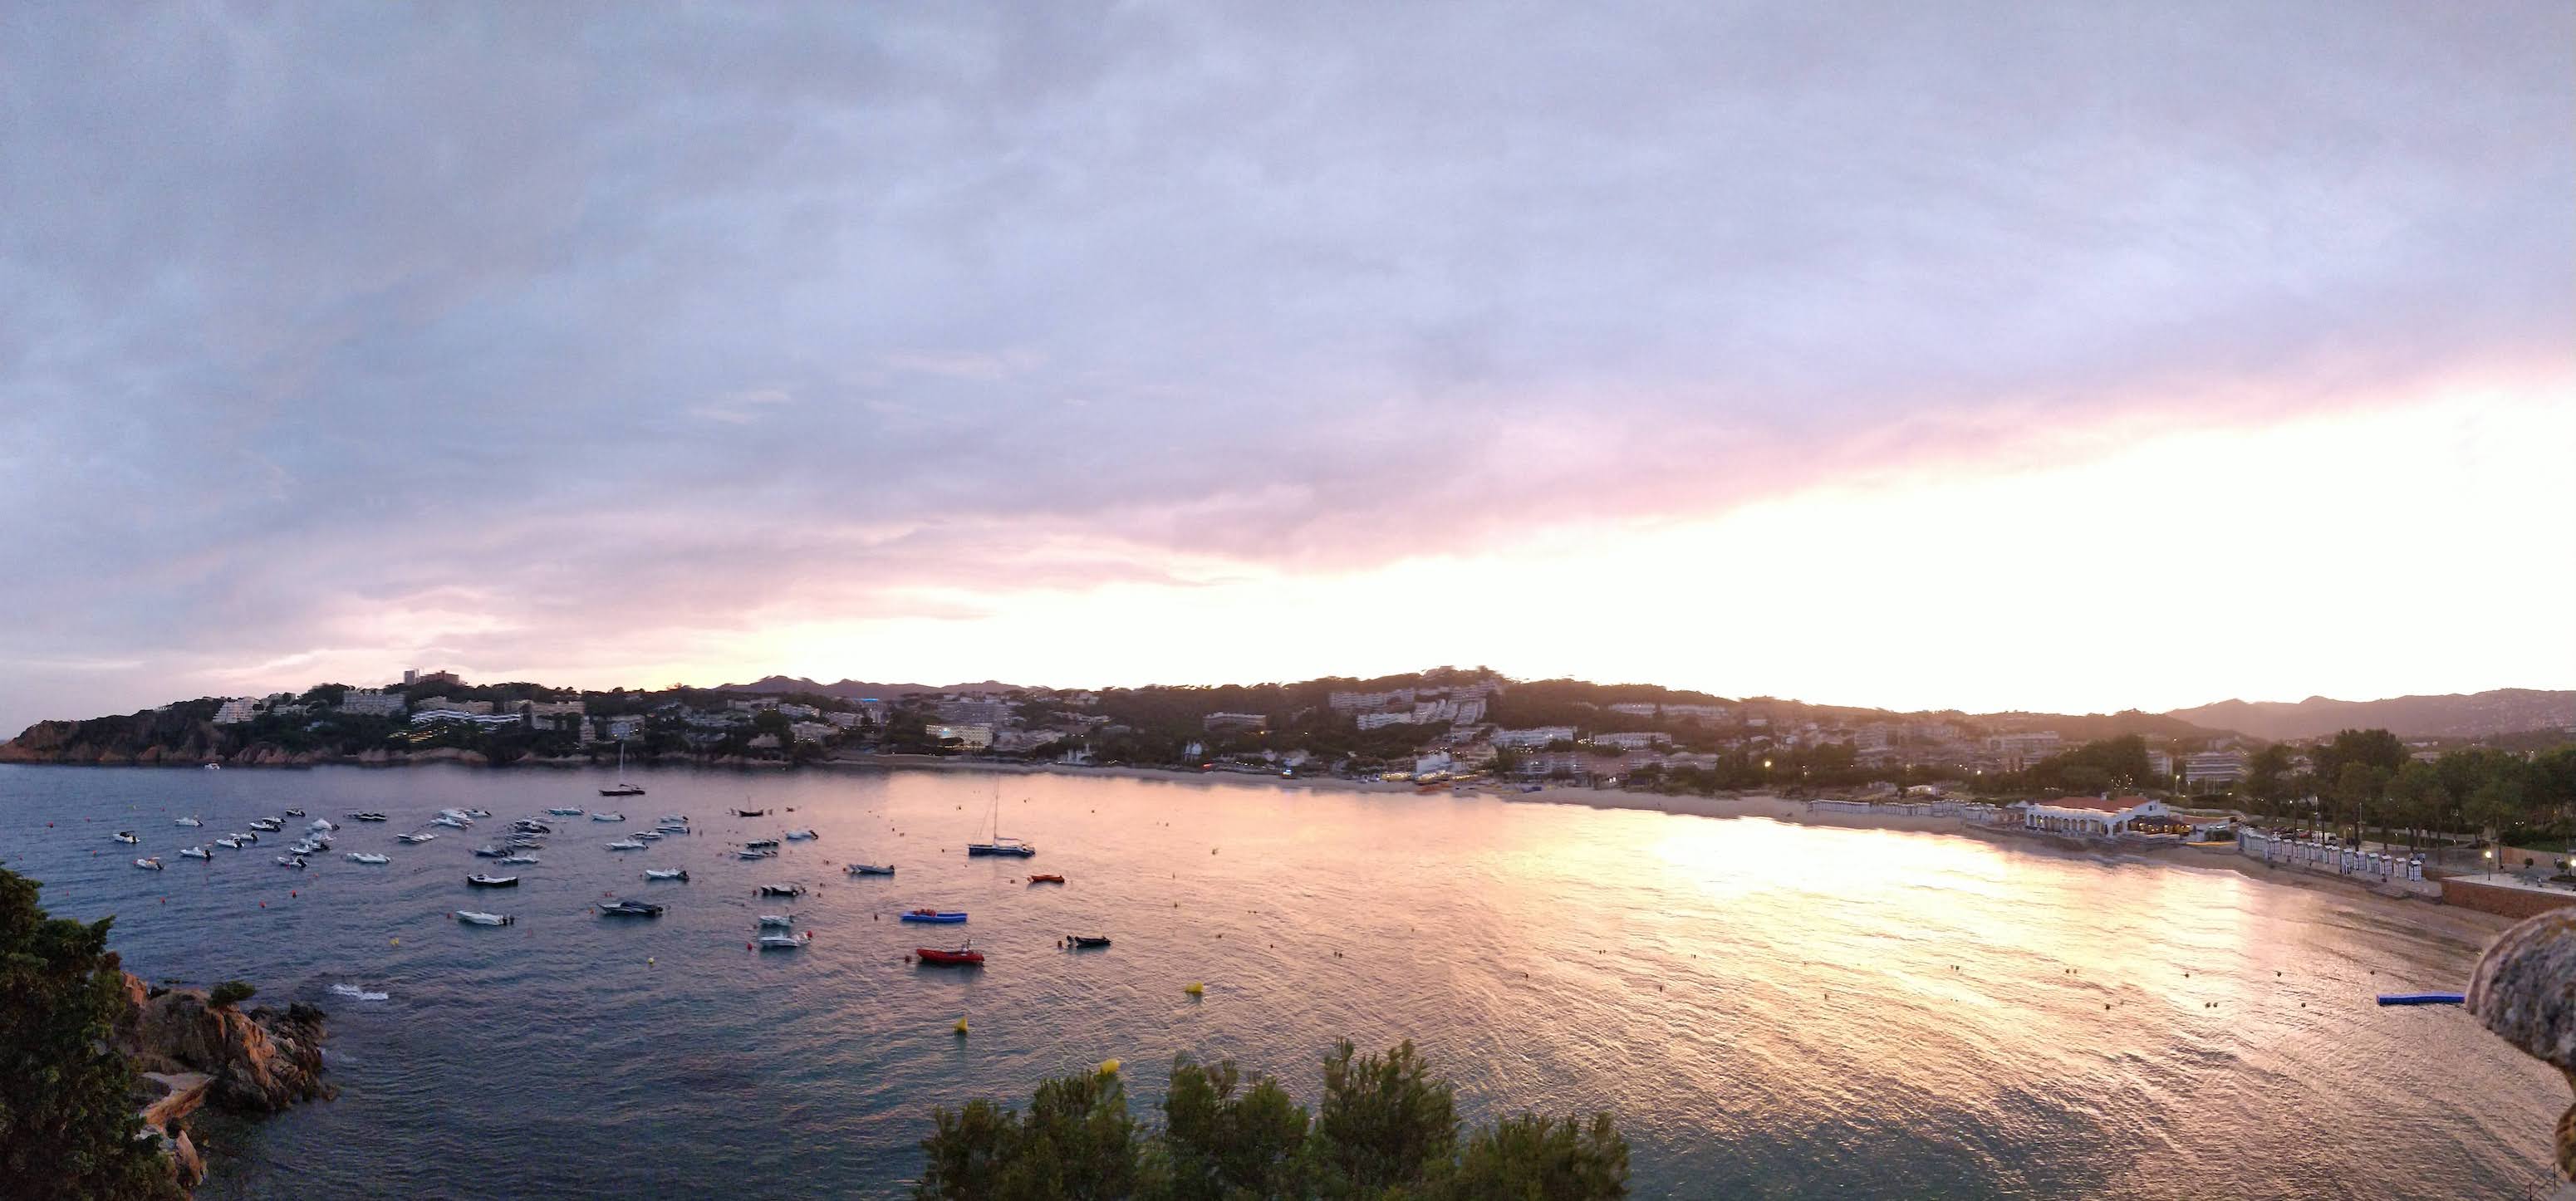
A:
(812, 731)
(2103, 815)
(974, 710)
(974, 736)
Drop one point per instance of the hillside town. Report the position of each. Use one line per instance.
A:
(1445, 725)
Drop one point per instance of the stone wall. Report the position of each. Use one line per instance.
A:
(2516, 903)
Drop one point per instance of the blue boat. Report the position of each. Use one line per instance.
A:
(1008, 846)
(944, 917)
(2422, 998)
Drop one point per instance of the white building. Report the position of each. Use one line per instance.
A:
(371, 702)
(2091, 815)
(2159, 763)
(1352, 702)
(1703, 714)
(1637, 741)
(971, 736)
(1374, 721)
(812, 731)
(236, 711)
(1635, 708)
(1534, 737)
(2216, 767)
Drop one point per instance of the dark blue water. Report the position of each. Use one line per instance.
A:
(1773, 1010)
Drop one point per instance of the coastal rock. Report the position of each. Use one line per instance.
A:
(261, 1061)
(2524, 990)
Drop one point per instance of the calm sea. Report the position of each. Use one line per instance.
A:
(1773, 1010)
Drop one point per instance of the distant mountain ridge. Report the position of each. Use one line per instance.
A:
(859, 689)
(2501, 711)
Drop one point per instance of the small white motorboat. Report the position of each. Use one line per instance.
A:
(488, 851)
(479, 880)
(416, 836)
(801, 835)
(647, 835)
(229, 842)
(515, 859)
(755, 853)
(471, 918)
(478, 813)
(782, 890)
(128, 837)
(369, 816)
(187, 821)
(149, 865)
(783, 921)
(292, 812)
(870, 869)
(267, 825)
(304, 846)
(293, 861)
(626, 844)
(680, 874)
(321, 825)
(783, 942)
(246, 839)
(608, 817)
(372, 860)
(673, 827)
(673, 819)
(566, 811)
(197, 852)
(452, 823)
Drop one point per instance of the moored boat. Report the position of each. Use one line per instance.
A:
(626, 844)
(229, 842)
(935, 916)
(608, 817)
(371, 860)
(488, 851)
(292, 812)
(472, 918)
(750, 853)
(196, 853)
(293, 861)
(368, 816)
(761, 844)
(415, 837)
(782, 921)
(646, 835)
(1046, 878)
(751, 813)
(958, 956)
(1087, 940)
(187, 821)
(516, 860)
(480, 880)
(802, 835)
(870, 869)
(267, 825)
(565, 811)
(128, 837)
(782, 942)
(680, 874)
(149, 864)
(629, 909)
(782, 890)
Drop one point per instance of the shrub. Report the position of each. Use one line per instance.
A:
(230, 993)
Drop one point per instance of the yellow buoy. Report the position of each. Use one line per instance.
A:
(1109, 1067)
(961, 1025)
(398, 942)
(1195, 989)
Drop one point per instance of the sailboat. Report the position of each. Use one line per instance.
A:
(623, 787)
(1000, 845)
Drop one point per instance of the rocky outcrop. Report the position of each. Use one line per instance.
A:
(189, 1052)
(2524, 990)
(261, 1061)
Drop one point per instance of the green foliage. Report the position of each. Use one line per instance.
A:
(1218, 1144)
(1386, 1129)
(230, 993)
(1534, 1158)
(2373, 748)
(1383, 1122)
(66, 1128)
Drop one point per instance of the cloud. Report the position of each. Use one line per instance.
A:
(313, 311)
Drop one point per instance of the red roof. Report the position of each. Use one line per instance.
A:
(2099, 804)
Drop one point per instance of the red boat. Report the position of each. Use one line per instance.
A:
(962, 955)
(1046, 879)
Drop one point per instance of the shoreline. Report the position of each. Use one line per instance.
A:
(1733, 805)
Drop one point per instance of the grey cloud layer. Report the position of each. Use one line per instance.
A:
(321, 303)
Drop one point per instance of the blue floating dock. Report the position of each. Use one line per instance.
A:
(2421, 998)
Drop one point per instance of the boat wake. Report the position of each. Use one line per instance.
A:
(354, 992)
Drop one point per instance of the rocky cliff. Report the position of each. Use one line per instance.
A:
(189, 1051)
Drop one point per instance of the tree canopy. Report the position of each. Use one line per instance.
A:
(67, 1128)
(1386, 1128)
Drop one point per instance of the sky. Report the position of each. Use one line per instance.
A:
(2053, 357)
